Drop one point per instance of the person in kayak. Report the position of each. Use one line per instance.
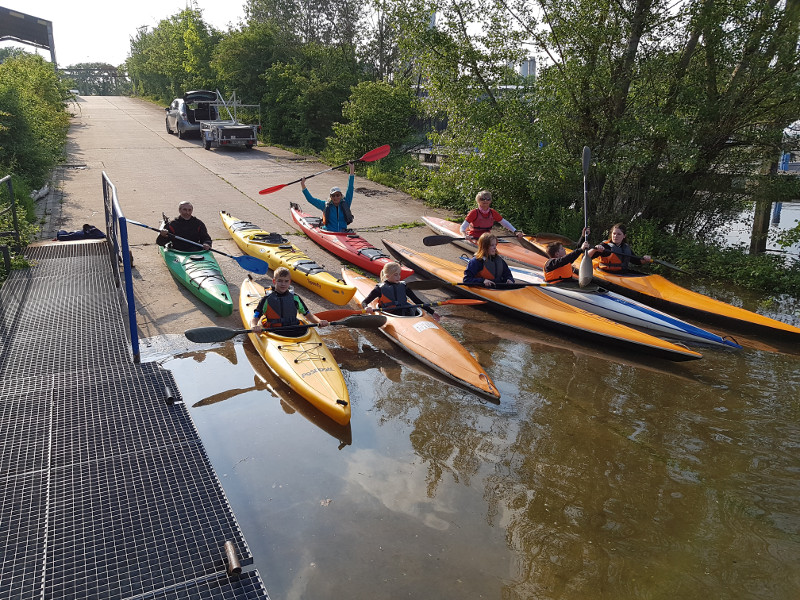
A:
(280, 306)
(336, 215)
(393, 295)
(481, 220)
(487, 268)
(615, 253)
(187, 226)
(559, 264)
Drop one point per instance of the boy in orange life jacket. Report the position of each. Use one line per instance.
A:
(559, 266)
(486, 267)
(615, 253)
(481, 220)
(336, 214)
(280, 306)
(394, 295)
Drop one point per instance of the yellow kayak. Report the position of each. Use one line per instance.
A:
(304, 363)
(278, 252)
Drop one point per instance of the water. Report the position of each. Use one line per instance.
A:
(783, 216)
(596, 476)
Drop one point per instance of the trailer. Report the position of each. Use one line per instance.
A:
(230, 132)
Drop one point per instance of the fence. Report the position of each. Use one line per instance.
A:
(117, 234)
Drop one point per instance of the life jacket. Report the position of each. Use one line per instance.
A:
(329, 206)
(394, 295)
(489, 268)
(483, 222)
(280, 310)
(559, 274)
(614, 263)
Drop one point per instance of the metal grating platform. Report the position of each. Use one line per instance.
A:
(106, 489)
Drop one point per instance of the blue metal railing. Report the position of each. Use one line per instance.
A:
(117, 234)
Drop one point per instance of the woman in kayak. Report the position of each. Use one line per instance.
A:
(336, 215)
(559, 264)
(615, 253)
(393, 295)
(481, 220)
(187, 226)
(487, 268)
(280, 307)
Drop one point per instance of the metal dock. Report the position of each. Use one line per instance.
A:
(107, 491)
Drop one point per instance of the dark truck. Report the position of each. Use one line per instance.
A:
(229, 132)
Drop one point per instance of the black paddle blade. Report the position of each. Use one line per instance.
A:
(425, 284)
(363, 321)
(204, 335)
(439, 240)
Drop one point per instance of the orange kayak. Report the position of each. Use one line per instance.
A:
(427, 341)
(662, 293)
(532, 304)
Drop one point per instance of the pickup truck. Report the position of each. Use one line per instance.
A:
(229, 132)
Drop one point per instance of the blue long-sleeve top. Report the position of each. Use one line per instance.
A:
(337, 221)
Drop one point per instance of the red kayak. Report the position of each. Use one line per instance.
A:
(346, 244)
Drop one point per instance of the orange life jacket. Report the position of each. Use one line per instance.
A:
(559, 274)
(613, 263)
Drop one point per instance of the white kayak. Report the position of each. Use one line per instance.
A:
(618, 308)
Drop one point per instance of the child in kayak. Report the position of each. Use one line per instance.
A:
(393, 294)
(481, 220)
(615, 253)
(486, 267)
(559, 264)
(336, 215)
(187, 226)
(280, 307)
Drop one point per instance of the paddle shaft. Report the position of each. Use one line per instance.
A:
(343, 312)
(221, 334)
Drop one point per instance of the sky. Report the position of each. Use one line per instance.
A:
(100, 31)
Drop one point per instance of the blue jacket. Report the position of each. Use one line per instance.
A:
(337, 220)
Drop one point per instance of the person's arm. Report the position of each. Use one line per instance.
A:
(205, 239)
(507, 277)
(315, 202)
(255, 322)
(348, 195)
(511, 228)
(471, 276)
(374, 294)
(302, 309)
(464, 227)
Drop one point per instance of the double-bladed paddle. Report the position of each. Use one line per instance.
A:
(345, 312)
(655, 260)
(585, 270)
(250, 263)
(371, 156)
(221, 334)
(440, 240)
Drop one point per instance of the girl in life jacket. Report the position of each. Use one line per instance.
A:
(559, 265)
(615, 253)
(280, 307)
(486, 267)
(393, 296)
(336, 214)
(481, 220)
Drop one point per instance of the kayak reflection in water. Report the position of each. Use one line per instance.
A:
(615, 253)
(486, 267)
(393, 295)
(280, 307)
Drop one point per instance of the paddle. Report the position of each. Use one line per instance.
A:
(344, 312)
(440, 240)
(424, 284)
(221, 334)
(586, 268)
(371, 156)
(655, 260)
(250, 263)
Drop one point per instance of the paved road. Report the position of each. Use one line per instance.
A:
(153, 171)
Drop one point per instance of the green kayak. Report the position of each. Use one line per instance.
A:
(200, 273)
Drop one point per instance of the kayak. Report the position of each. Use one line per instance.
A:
(422, 337)
(531, 303)
(508, 249)
(346, 244)
(278, 252)
(199, 272)
(661, 292)
(304, 363)
(618, 308)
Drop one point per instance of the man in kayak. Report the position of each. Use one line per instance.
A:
(615, 253)
(336, 215)
(280, 307)
(393, 294)
(187, 226)
(487, 268)
(559, 264)
(481, 220)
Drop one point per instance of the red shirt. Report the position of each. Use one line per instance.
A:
(480, 222)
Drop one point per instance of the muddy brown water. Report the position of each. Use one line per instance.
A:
(597, 475)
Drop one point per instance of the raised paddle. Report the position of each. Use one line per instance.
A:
(222, 334)
(250, 263)
(586, 268)
(371, 156)
(344, 312)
